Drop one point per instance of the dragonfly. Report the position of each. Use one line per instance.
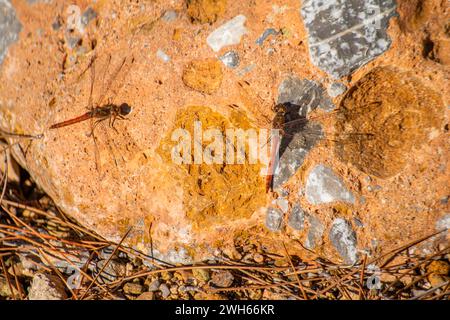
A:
(288, 120)
(98, 112)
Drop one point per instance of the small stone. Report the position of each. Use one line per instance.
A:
(315, 232)
(230, 59)
(146, 296)
(296, 218)
(154, 285)
(336, 89)
(258, 258)
(222, 279)
(265, 35)
(443, 223)
(274, 219)
(324, 186)
(169, 16)
(46, 287)
(162, 55)
(283, 204)
(206, 11)
(133, 288)
(227, 34)
(203, 75)
(202, 275)
(165, 292)
(10, 27)
(343, 239)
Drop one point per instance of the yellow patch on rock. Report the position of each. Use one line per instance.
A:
(214, 193)
(203, 75)
(383, 117)
(205, 11)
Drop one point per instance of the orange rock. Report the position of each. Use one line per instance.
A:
(206, 11)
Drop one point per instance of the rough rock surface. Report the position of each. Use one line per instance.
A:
(345, 34)
(324, 186)
(385, 139)
(46, 287)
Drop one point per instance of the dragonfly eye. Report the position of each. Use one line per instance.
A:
(125, 109)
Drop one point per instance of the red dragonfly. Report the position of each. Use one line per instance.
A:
(98, 113)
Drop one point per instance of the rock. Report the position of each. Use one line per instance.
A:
(169, 16)
(228, 34)
(203, 75)
(230, 59)
(46, 287)
(346, 34)
(336, 89)
(265, 35)
(222, 278)
(162, 55)
(146, 296)
(296, 218)
(154, 285)
(133, 288)
(10, 27)
(274, 219)
(443, 223)
(315, 232)
(283, 204)
(202, 275)
(205, 11)
(439, 271)
(165, 291)
(258, 258)
(343, 239)
(324, 186)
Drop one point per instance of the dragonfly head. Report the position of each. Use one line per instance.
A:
(125, 109)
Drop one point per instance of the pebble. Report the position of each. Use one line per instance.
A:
(202, 275)
(265, 35)
(258, 258)
(46, 287)
(296, 219)
(154, 285)
(169, 16)
(162, 55)
(274, 219)
(324, 186)
(88, 16)
(146, 296)
(133, 288)
(343, 239)
(165, 292)
(443, 223)
(283, 204)
(315, 232)
(10, 27)
(228, 34)
(344, 35)
(222, 279)
(230, 59)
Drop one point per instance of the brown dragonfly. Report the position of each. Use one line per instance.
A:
(99, 112)
(290, 119)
